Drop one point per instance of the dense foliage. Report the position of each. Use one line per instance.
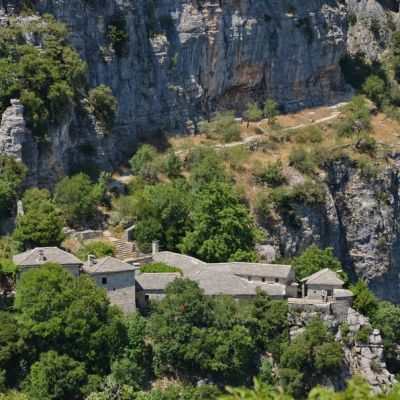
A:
(78, 198)
(12, 174)
(41, 224)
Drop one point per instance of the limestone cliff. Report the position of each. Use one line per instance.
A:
(359, 219)
(184, 59)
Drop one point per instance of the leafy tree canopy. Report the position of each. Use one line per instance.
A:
(222, 227)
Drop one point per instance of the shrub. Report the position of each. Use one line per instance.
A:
(270, 110)
(159, 268)
(145, 162)
(172, 165)
(261, 204)
(309, 193)
(117, 34)
(311, 134)
(374, 88)
(222, 126)
(97, 249)
(302, 160)
(272, 174)
(363, 334)
(253, 112)
(367, 144)
(146, 231)
(103, 105)
(352, 17)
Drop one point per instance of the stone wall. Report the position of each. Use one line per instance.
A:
(120, 288)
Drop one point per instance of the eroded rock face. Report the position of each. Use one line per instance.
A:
(359, 219)
(361, 358)
(13, 131)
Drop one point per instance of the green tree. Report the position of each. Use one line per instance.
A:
(374, 88)
(253, 112)
(313, 259)
(222, 227)
(56, 377)
(103, 105)
(172, 165)
(270, 110)
(144, 162)
(12, 174)
(364, 300)
(311, 356)
(130, 367)
(70, 316)
(387, 318)
(41, 224)
(78, 198)
(13, 350)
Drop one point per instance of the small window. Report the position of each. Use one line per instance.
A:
(315, 291)
(114, 289)
(262, 279)
(104, 281)
(249, 278)
(146, 296)
(276, 280)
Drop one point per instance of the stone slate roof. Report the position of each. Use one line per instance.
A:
(156, 280)
(340, 293)
(324, 277)
(188, 265)
(255, 269)
(51, 254)
(108, 265)
(220, 278)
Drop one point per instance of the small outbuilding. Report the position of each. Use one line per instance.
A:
(325, 285)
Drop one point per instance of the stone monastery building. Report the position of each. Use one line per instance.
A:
(129, 288)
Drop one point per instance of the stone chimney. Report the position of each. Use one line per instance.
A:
(41, 257)
(155, 246)
(91, 260)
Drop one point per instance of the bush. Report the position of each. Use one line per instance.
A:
(78, 198)
(363, 334)
(364, 301)
(352, 17)
(311, 134)
(367, 144)
(97, 249)
(261, 204)
(375, 89)
(270, 110)
(117, 34)
(302, 160)
(142, 161)
(146, 231)
(159, 268)
(172, 165)
(222, 126)
(253, 112)
(103, 105)
(272, 174)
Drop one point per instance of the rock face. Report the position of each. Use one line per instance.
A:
(13, 130)
(361, 358)
(372, 25)
(359, 220)
(185, 58)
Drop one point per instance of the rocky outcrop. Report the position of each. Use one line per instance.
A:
(372, 24)
(185, 58)
(364, 358)
(359, 219)
(13, 132)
